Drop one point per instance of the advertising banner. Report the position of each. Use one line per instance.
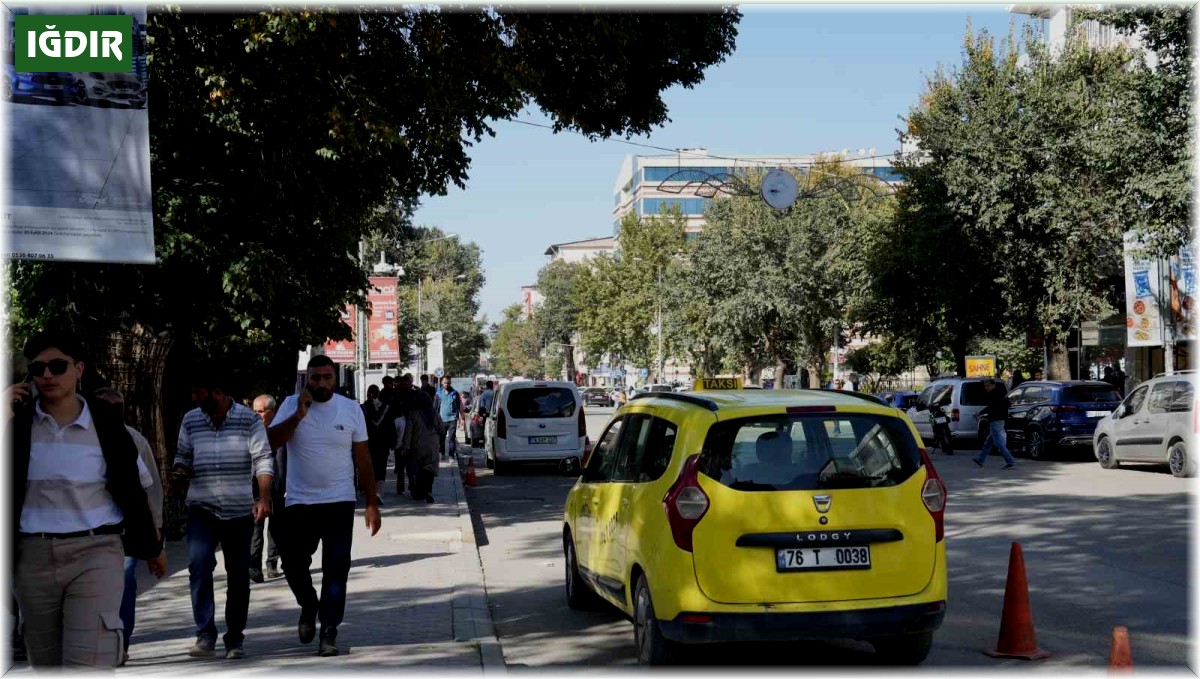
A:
(342, 351)
(434, 352)
(1182, 279)
(384, 343)
(76, 90)
(1143, 317)
(981, 366)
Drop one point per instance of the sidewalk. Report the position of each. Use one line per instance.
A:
(415, 600)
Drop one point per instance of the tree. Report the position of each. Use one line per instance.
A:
(516, 350)
(1157, 163)
(278, 135)
(558, 315)
(618, 297)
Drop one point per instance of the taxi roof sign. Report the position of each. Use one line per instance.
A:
(714, 383)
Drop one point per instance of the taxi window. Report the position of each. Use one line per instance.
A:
(604, 456)
(652, 455)
(810, 452)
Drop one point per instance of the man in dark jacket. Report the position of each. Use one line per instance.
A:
(997, 412)
(79, 506)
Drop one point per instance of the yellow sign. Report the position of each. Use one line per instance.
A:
(981, 366)
(711, 383)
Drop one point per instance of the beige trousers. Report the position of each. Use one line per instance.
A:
(70, 595)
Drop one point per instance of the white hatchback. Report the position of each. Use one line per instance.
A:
(534, 422)
(1153, 424)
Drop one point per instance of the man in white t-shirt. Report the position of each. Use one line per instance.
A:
(326, 438)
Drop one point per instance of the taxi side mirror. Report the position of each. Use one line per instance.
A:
(570, 467)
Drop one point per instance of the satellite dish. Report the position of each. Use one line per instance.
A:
(780, 189)
(862, 152)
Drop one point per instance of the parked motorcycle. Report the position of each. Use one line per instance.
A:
(941, 429)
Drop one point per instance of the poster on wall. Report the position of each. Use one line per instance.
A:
(384, 339)
(1143, 317)
(76, 95)
(342, 351)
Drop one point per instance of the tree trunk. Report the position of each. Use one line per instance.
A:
(815, 370)
(1060, 361)
(959, 348)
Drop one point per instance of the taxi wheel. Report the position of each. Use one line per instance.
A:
(903, 649)
(579, 596)
(652, 647)
(1105, 455)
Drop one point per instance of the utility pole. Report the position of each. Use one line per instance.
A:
(360, 337)
(661, 358)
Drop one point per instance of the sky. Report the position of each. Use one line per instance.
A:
(801, 80)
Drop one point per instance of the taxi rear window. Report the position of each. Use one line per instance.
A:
(810, 452)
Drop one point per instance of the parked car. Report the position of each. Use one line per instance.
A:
(762, 515)
(1153, 424)
(659, 388)
(1051, 415)
(57, 86)
(597, 396)
(534, 421)
(961, 398)
(900, 399)
(109, 88)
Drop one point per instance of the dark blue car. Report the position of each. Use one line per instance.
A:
(57, 86)
(1055, 415)
(900, 399)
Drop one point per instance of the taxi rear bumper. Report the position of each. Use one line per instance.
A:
(857, 624)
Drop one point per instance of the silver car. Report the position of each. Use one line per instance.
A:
(1153, 424)
(959, 397)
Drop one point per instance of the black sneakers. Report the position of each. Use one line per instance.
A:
(307, 628)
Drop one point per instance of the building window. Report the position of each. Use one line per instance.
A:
(887, 174)
(687, 206)
(685, 174)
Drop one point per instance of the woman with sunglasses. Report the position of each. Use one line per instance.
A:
(79, 506)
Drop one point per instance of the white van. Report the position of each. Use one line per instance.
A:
(961, 398)
(533, 422)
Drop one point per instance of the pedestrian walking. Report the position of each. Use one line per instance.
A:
(264, 406)
(381, 433)
(421, 442)
(1017, 378)
(405, 464)
(996, 409)
(78, 507)
(1038, 375)
(448, 409)
(155, 496)
(427, 387)
(483, 408)
(222, 445)
(326, 439)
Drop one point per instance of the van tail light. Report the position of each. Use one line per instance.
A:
(501, 425)
(933, 495)
(582, 424)
(1064, 409)
(685, 504)
(954, 415)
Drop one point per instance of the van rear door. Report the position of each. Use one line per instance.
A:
(542, 418)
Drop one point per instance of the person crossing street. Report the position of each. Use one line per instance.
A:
(997, 412)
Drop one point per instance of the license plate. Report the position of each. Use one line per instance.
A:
(823, 559)
(940, 420)
(1097, 413)
(53, 87)
(543, 439)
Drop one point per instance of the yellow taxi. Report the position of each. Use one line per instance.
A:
(738, 515)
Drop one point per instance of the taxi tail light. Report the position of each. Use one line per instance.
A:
(933, 496)
(582, 424)
(501, 425)
(685, 504)
(955, 414)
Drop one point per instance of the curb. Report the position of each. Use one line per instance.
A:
(472, 616)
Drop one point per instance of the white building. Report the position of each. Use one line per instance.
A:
(1057, 21)
(689, 179)
(581, 250)
(530, 300)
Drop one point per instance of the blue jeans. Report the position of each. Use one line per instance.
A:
(997, 438)
(451, 429)
(204, 532)
(129, 600)
(332, 525)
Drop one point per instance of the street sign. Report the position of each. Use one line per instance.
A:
(439, 372)
(618, 374)
(643, 372)
(981, 366)
(1089, 333)
(711, 383)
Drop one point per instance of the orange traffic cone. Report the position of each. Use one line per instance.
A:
(1017, 637)
(1120, 657)
(472, 481)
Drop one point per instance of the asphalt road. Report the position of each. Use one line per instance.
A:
(1102, 548)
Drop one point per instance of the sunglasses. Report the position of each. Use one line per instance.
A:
(57, 366)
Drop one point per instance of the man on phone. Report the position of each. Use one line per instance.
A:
(326, 438)
(222, 443)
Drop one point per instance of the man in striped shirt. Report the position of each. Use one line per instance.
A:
(222, 443)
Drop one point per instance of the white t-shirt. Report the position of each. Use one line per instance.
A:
(320, 458)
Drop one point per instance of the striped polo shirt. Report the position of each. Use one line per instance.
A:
(224, 461)
(65, 491)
